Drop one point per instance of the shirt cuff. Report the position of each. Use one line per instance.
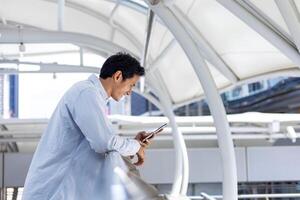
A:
(134, 147)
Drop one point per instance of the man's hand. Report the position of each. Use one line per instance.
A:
(140, 155)
(140, 137)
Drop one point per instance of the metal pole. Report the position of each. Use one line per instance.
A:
(11, 35)
(46, 68)
(148, 35)
(81, 56)
(3, 189)
(181, 157)
(60, 14)
(214, 100)
(290, 14)
(146, 46)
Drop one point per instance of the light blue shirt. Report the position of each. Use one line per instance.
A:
(69, 161)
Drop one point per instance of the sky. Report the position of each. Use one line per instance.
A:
(40, 93)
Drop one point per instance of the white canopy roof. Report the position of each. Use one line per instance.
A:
(234, 49)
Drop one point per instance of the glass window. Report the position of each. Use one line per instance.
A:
(236, 92)
(255, 87)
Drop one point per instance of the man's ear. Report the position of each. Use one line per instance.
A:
(117, 76)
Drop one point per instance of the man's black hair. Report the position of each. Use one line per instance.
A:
(128, 65)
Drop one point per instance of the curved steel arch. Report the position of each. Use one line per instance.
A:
(214, 100)
(181, 158)
(99, 46)
(131, 4)
(12, 35)
(122, 29)
(104, 19)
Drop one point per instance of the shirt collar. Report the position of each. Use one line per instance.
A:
(97, 83)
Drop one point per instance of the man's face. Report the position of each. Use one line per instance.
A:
(123, 87)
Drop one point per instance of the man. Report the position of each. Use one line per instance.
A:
(68, 160)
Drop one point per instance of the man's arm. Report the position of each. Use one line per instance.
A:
(89, 115)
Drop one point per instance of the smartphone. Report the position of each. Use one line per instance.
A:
(153, 133)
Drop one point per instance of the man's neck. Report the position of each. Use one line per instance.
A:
(106, 85)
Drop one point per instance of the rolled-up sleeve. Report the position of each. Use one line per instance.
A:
(87, 112)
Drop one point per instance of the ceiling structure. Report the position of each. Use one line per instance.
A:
(234, 51)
